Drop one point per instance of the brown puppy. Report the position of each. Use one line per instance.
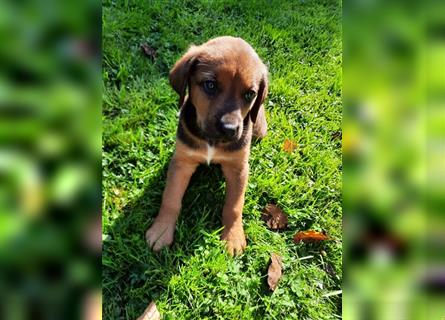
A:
(227, 84)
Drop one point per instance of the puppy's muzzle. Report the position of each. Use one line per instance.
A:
(230, 125)
(229, 130)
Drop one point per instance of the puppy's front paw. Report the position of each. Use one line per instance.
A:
(235, 240)
(160, 235)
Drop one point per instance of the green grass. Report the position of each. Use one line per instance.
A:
(300, 41)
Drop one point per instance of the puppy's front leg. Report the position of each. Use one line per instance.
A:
(236, 181)
(161, 233)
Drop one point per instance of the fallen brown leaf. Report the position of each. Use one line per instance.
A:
(310, 236)
(148, 51)
(274, 217)
(289, 146)
(150, 313)
(336, 135)
(274, 272)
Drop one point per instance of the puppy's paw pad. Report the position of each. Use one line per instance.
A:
(160, 235)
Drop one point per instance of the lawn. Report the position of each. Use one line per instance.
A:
(300, 41)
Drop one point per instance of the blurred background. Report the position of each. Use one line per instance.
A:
(50, 144)
(394, 159)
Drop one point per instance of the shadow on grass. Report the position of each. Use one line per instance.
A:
(133, 274)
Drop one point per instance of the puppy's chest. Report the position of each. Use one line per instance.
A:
(208, 154)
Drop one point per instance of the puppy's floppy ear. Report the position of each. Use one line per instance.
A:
(179, 74)
(261, 96)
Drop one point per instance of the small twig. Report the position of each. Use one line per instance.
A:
(305, 258)
(333, 293)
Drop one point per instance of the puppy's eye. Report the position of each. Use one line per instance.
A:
(249, 95)
(209, 87)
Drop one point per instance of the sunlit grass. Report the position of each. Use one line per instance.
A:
(301, 44)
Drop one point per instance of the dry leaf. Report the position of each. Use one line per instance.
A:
(289, 146)
(274, 217)
(336, 135)
(148, 51)
(310, 236)
(274, 272)
(151, 313)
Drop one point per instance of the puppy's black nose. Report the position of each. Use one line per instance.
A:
(230, 130)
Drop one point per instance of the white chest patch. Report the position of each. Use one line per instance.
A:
(210, 153)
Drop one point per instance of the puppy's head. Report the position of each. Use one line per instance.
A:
(226, 80)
